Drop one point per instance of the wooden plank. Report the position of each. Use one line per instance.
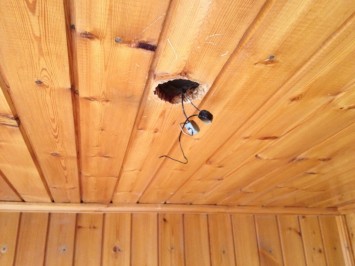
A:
(9, 223)
(291, 240)
(345, 239)
(196, 240)
(61, 238)
(7, 192)
(117, 239)
(88, 241)
(221, 239)
(283, 120)
(171, 239)
(144, 239)
(160, 208)
(285, 21)
(269, 245)
(312, 240)
(31, 241)
(350, 225)
(34, 61)
(111, 77)
(16, 161)
(210, 30)
(245, 241)
(331, 240)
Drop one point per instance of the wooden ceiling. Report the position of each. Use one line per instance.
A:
(79, 121)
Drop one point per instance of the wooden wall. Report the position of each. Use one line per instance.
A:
(175, 239)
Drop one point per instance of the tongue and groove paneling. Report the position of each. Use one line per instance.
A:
(111, 72)
(34, 63)
(249, 80)
(18, 172)
(197, 41)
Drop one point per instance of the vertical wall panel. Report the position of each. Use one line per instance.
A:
(196, 240)
(60, 242)
(312, 240)
(88, 242)
(245, 242)
(117, 239)
(331, 240)
(32, 239)
(171, 240)
(268, 240)
(9, 223)
(144, 249)
(291, 240)
(221, 239)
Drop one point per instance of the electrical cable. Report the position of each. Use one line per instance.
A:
(182, 150)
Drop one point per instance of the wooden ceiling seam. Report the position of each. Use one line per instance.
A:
(347, 22)
(246, 36)
(6, 90)
(143, 100)
(2, 176)
(46, 83)
(73, 66)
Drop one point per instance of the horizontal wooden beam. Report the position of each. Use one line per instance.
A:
(161, 208)
(346, 209)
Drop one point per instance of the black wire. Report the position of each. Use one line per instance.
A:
(182, 103)
(182, 150)
(194, 106)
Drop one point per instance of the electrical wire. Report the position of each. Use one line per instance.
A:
(182, 150)
(182, 103)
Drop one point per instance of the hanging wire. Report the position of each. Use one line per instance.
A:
(182, 150)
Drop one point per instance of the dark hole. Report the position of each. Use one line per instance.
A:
(146, 46)
(172, 90)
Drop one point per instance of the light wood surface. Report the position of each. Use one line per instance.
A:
(80, 123)
(180, 239)
(167, 208)
(117, 239)
(144, 239)
(312, 240)
(9, 224)
(88, 239)
(171, 240)
(60, 239)
(31, 240)
(35, 65)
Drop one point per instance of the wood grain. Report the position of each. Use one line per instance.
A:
(31, 241)
(196, 237)
(144, 239)
(220, 228)
(9, 224)
(171, 239)
(117, 239)
(331, 240)
(16, 161)
(312, 240)
(269, 245)
(180, 239)
(245, 241)
(197, 41)
(278, 30)
(110, 82)
(34, 62)
(88, 242)
(60, 241)
(291, 240)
